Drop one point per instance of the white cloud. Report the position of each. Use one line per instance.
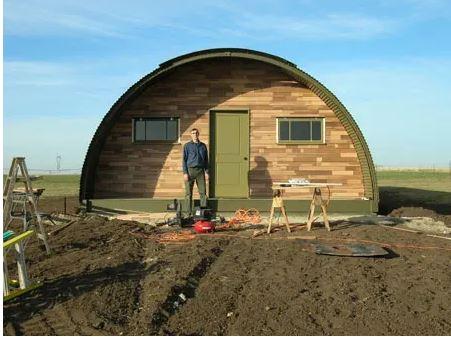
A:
(100, 18)
(330, 26)
(50, 18)
(120, 20)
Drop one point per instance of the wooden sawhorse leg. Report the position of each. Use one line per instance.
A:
(270, 219)
(277, 202)
(317, 200)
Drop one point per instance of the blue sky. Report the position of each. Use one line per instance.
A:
(66, 62)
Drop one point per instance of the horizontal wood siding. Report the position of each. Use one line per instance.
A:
(189, 92)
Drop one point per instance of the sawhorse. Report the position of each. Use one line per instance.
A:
(317, 200)
(277, 202)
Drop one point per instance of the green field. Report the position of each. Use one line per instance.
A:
(57, 185)
(68, 185)
(426, 189)
(425, 180)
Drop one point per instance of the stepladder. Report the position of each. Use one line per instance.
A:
(16, 246)
(317, 200)
(278, 204)
(21, 203)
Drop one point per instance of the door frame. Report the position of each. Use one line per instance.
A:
(212, 155)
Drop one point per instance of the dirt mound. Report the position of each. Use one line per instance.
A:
(91, 282)
(421, 212)
(101, 280)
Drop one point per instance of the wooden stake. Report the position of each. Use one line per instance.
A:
(61, 228)
(401, 229)
(270, 219)
(325, 218)
(286, 218)
(438, 236)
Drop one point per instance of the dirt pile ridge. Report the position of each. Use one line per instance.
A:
(100, 280)
(421, 212)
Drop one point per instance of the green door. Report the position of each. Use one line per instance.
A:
(229, 154)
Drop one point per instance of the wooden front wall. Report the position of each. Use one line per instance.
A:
(154, 170)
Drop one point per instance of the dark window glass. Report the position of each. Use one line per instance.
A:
(316, 130)
(300, 130)
(156, 129)
(140, 130)
(172, 130)
(284, 130)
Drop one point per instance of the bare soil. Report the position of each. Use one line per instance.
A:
(421, 212)
(101, 280)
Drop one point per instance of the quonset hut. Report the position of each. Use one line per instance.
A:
(263, 119)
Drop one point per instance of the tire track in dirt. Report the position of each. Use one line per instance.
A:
(181, 267)
(216, 295)
(181, 293)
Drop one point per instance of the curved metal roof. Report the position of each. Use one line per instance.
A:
(363, 153)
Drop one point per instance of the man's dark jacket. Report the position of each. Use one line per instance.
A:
(195, 155)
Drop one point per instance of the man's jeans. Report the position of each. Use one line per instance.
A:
(195, 174)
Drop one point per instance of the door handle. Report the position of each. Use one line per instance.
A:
(245, 158)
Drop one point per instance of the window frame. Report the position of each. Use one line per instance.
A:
(159, 141)
(303, 119)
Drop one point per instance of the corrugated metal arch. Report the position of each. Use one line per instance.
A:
(363, 153)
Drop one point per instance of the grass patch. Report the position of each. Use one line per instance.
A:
(425, 180)
(56, 185)
(68, 185)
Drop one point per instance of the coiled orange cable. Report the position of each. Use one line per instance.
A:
(242, 216)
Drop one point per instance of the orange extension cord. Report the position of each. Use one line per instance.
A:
(252, 216)
(177, 237)
(185, 236)
(242, 216)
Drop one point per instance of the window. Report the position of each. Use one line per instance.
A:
(159, 129)
(300, 130)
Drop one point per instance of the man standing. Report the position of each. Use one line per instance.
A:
(195, 168)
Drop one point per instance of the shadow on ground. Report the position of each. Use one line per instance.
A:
(392, 198)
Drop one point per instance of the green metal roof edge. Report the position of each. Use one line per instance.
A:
(87, 178)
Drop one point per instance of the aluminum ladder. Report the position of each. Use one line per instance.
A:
(13, 199)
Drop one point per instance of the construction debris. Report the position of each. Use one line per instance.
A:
(350, 249)
(439, 236)
(401, 229)
(62, 227)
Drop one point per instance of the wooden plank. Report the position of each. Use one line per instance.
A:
(61, 228)
(439, 236)
(401, 229)
(281, 185)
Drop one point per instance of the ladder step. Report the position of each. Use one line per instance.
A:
(17, 198)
